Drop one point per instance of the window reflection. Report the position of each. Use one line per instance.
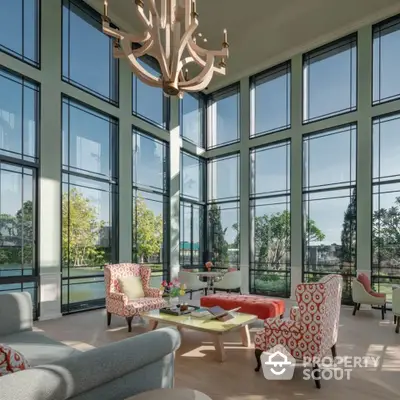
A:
(192, 118)
(270, 220)
(386, 58)
(88, 63)
(148, 102)
(270, 105)
(88, 201)
(19, 33)
(192, 177)
(329, 184)
(327, 97)
(223, 117)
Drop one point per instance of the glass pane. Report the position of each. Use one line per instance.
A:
(149, 162)
(224, 178)
(270, 169)
(330, 237)
(148, 101)
(326, 97)
(191, 178)
(330, 158)
(224, 118)
(30, 287)
(223, 225)
(19, 29)
(87, 139)
(17, 229)
(88, 63)
(86, 226)
(83, 293)
(148, 229)
(271, 101)
(386, 148)
(191, 119)
(18, 117)
(386, 58)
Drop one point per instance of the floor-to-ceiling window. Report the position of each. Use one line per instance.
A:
(223, 211)
(19, 162)
(329, 201)
(88, 63)
(19, 27)
(89, 199)
(386, 166)
(192, 212)
(270, 220)
(150, 204)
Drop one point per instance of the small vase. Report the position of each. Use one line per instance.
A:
(173, 301)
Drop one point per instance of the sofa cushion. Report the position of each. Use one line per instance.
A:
(11, 360)
(37, 348)
(131, 286)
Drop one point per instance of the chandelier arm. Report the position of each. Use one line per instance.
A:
(158, 48)
(201, 62)
(175, 68)
(146, 21)
(140, 71)
(146, 47)
(199, 86)
(200, 76)
(199, 50)
(163, 19)
(115, 33)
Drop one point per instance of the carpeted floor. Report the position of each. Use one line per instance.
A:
(363, 335)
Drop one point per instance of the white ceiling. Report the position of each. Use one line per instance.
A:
(263, 33)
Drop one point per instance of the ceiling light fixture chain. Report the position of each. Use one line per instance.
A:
(169, 38)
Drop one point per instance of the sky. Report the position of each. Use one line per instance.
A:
(331, 83)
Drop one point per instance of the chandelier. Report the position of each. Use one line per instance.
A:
(169, 38)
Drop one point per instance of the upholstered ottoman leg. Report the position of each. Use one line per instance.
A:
(257, 353)
(108, 318)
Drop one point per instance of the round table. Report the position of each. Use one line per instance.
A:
(170, 394)
(210, 276)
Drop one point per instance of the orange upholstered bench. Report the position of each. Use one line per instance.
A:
(261, 306)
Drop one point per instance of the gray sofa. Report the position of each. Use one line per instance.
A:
(112, 372)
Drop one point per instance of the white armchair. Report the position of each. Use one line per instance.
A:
(230, 281)
(192, 282)
(396, 307)
(362, 296)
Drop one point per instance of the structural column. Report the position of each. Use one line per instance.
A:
(244, 171)
(364, 151)
(125, 163)
(296, 163)
(50, 163)
(174, 187)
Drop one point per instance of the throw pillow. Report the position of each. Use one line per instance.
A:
(131, 286)
(11, 360)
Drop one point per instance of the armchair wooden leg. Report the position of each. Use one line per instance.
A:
(108, 318)
(205, 291)
(355, 308)
(398, 325)
(383, 312)
(317, 376)
(359, 306)
(191, 294)
(395, 319)
(333, 350)
(129, 321)
(257, 353)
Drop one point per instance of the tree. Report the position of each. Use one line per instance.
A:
(219, 246)
(147, 230)
(386, 234)
(348, 236)
(81, 230)
(272, 236)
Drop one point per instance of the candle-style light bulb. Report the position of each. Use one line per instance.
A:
(105, 8)
(186, 75)
(225, 36)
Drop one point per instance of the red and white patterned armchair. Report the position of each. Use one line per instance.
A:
(118, 303)
(312, 329)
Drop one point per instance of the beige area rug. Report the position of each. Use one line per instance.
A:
(363, 335)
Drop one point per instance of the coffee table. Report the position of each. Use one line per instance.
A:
(215, 328)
